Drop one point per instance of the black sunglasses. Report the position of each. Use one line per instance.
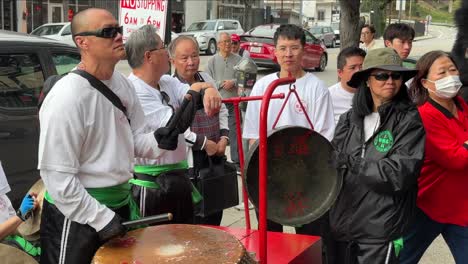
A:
(108, 32)
(383, 76)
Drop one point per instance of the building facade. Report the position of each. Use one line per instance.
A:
(26, 15)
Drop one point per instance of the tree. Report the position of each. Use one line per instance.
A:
(349, 23)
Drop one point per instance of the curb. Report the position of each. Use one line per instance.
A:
(429, 36)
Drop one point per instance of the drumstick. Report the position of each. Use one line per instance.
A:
(148, 220)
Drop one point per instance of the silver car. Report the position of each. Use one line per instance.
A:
(325, 34)
(207, 32)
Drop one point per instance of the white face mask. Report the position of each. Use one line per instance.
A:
(447, 87)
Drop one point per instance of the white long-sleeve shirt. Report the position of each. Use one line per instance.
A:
(314, 96)
(87, 142)
(158, 112)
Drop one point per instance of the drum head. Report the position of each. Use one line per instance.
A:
(302, 183)
(29, 229)
(176, 243)
(12, 255)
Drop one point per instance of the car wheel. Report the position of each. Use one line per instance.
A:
(322, 64)
(211, 47)
(333, 44)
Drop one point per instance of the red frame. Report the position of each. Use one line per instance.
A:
(284, 247)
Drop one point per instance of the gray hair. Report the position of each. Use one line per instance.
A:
(140, 41)
(224, 33)
(176, 41)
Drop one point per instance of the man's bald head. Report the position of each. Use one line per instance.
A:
(87, 20)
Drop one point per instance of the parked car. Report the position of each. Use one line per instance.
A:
(207, 32)
(336, 29)
(25, 62)
(325, 34)
(57, 31)
(259, 42)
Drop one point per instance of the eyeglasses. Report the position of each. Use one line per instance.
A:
(225, 41)
(293, 49)
(108, 32)
(155, 49)
(383, 76)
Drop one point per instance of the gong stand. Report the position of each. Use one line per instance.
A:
(263, 147)
(235, 101)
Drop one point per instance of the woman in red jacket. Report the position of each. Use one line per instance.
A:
(443, 183)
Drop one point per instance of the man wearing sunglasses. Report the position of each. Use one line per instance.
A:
(162, 184)
(87, 147)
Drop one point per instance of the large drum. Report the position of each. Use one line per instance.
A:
(12, 255)
(174, 244)
(29, 229)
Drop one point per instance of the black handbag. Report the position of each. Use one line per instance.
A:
(218, 185)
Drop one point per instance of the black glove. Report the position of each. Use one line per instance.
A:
(167, 138)
(112, 229)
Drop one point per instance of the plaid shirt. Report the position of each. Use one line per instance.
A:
(203, 124)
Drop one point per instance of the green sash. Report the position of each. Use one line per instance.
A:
(113, 197)
(398, 245)
(25, 245)
(155, 170)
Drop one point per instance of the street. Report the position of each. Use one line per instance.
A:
(440, 38)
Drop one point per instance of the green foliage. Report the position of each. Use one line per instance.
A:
(439, 13)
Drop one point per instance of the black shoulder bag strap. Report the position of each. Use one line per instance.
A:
(104, 90)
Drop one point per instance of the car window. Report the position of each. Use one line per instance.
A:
(325, 30)
(21, 80)
(316, 30)
(220, 26)
(229, 25)
(310, 38)
(47, 30)
(66, 30)
(65, 62)
(198, 26)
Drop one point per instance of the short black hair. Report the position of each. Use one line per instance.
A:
(398, 30)
(289, 31)
(362, 101)
(370, 27)
(346, 53)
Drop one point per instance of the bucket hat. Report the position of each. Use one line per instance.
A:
(385, 59)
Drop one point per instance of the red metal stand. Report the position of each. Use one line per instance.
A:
(285, 248)
(235, 101)
(263, 170)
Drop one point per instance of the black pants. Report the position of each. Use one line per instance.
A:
(65, 241)
(174, 196)
(360, 253)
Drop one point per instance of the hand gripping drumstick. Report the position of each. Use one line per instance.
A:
(148, 220)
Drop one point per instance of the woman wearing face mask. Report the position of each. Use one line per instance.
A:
(443, 194)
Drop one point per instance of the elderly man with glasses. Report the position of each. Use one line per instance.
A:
(221, 68)
(162, 184)
(88, 143)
